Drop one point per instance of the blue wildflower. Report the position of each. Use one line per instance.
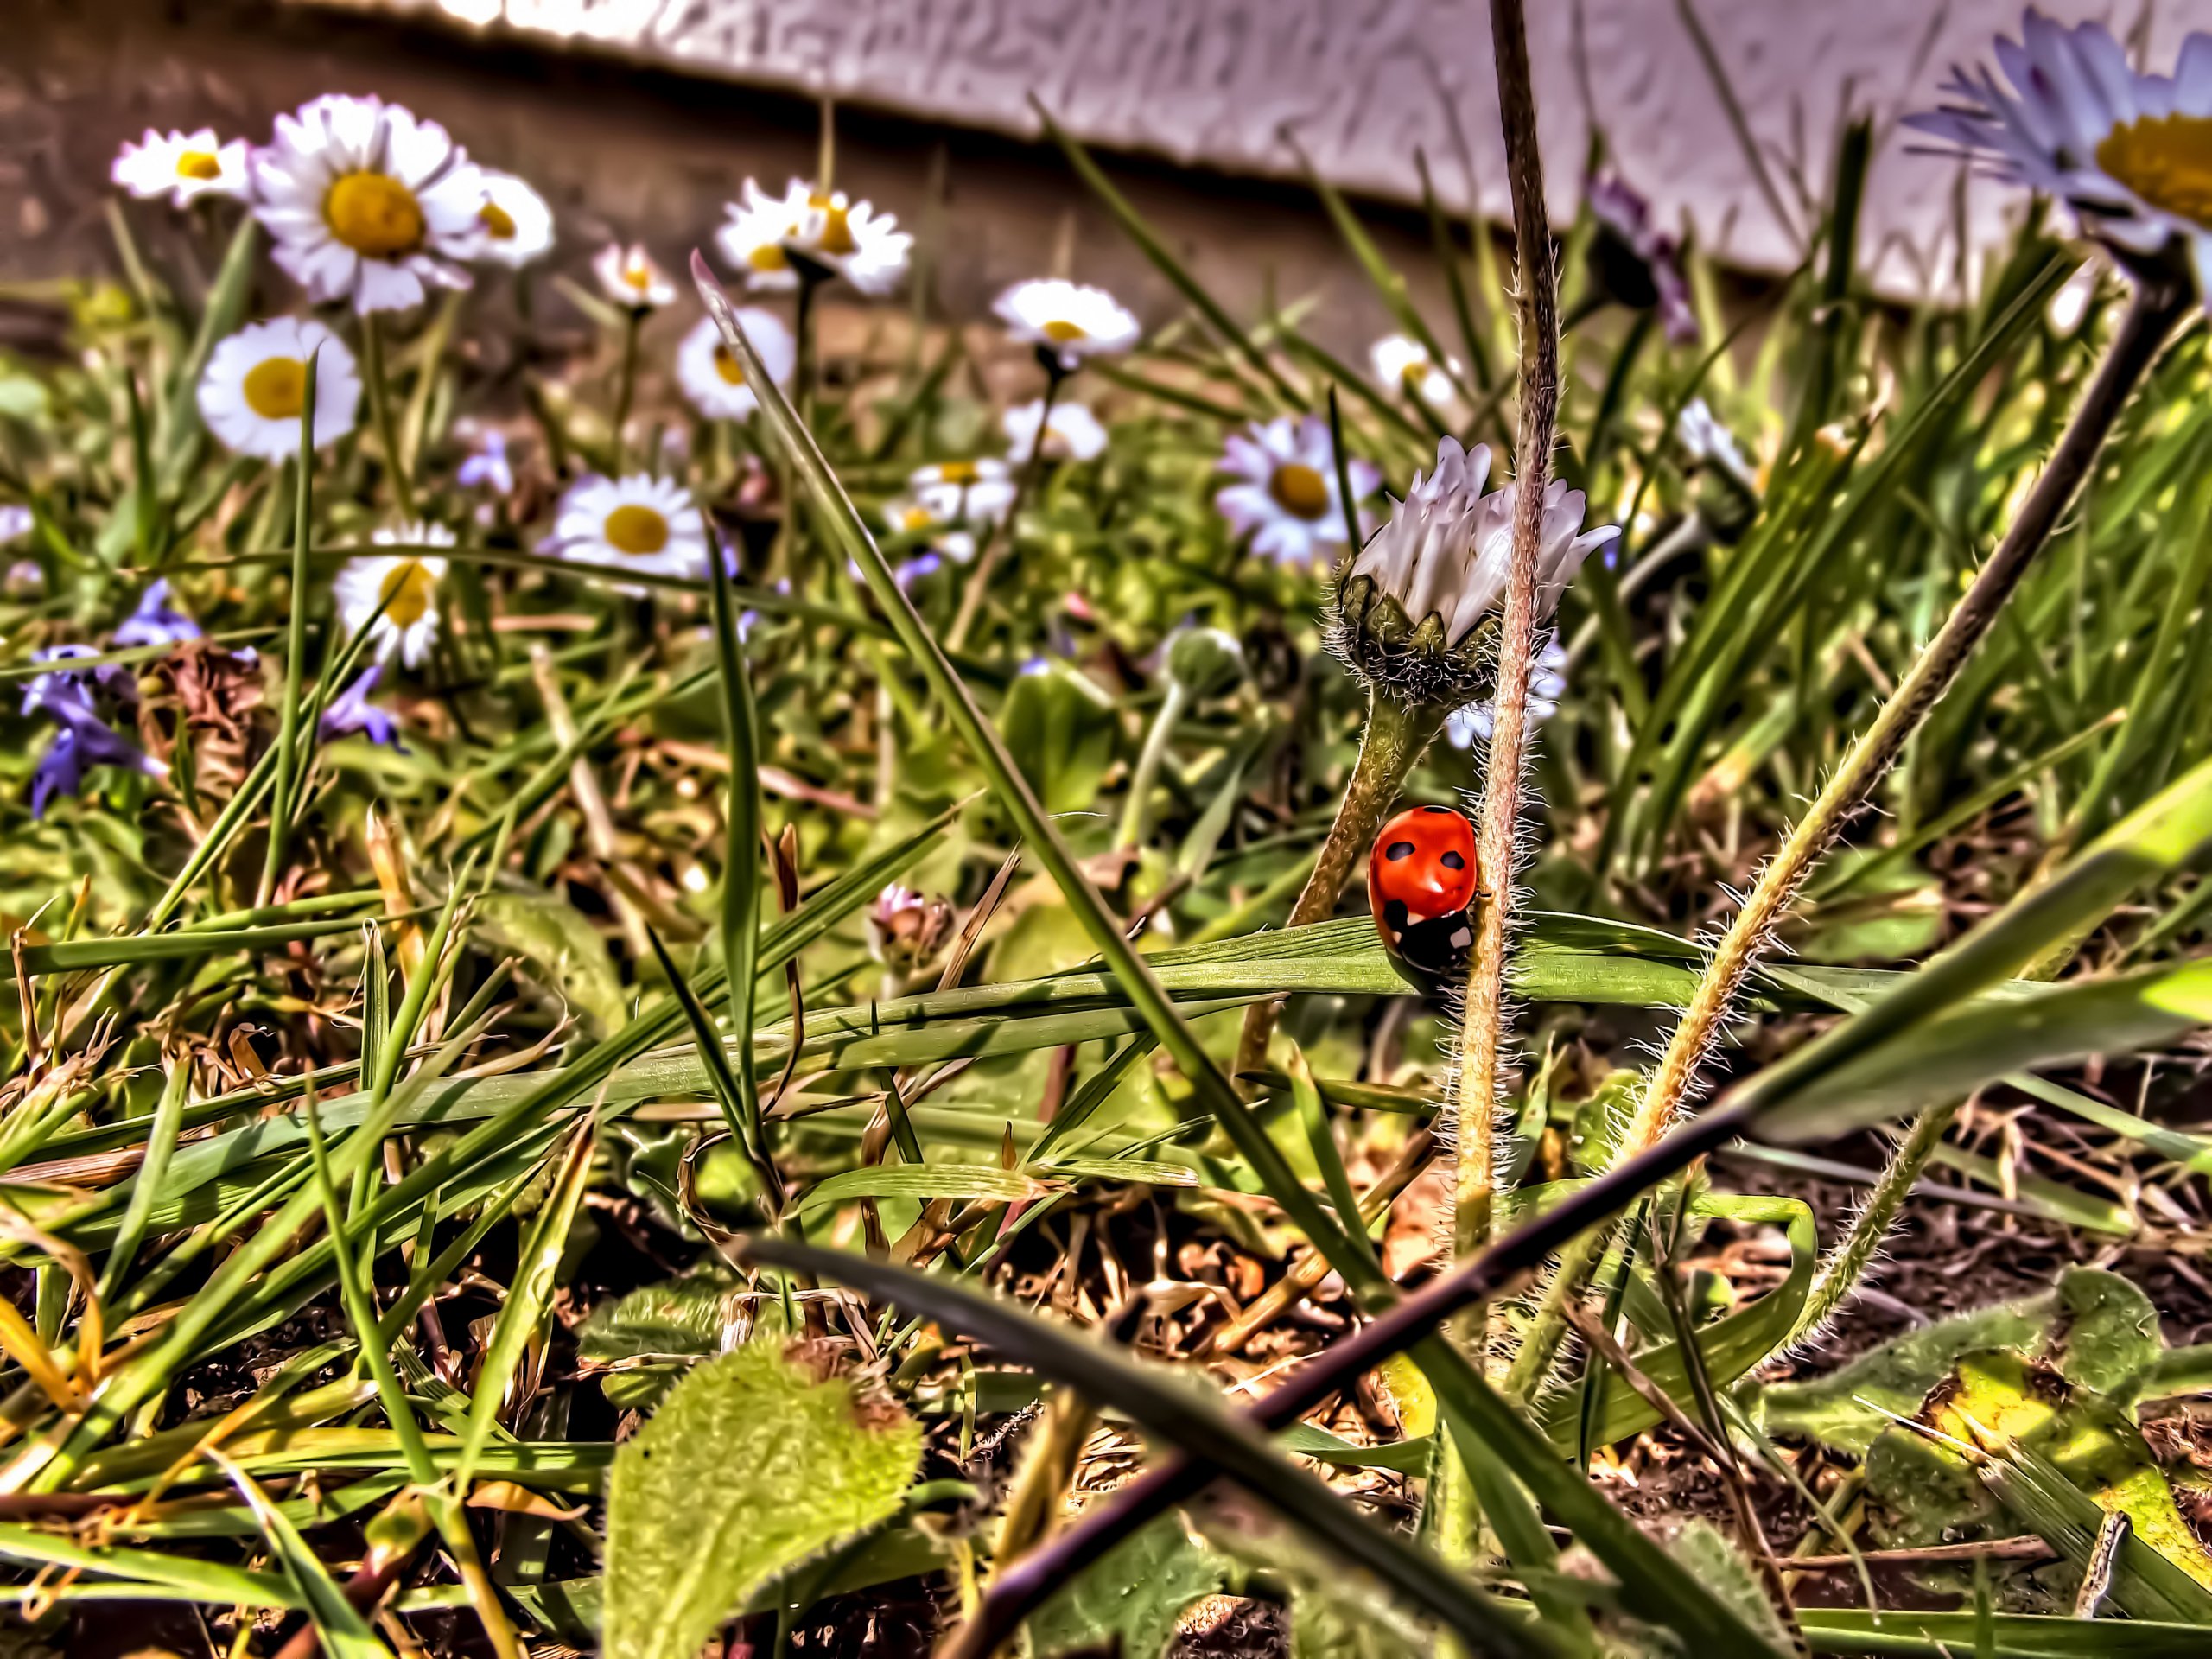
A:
(350, 711)
(155, 623)
(81, 702)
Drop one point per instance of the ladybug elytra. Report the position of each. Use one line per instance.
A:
(1421, 882)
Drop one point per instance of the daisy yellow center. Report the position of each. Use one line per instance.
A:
(198, 164)
(405, 594)
(919, 518)
(639, 275)
(633, 529)
(498, 221)
(836, 226)
(2167, 161)
(1299, 490)
(1060, 331)
(277, 387)
(769, 256)
(374, 214)
(957, 471)
(727, 366)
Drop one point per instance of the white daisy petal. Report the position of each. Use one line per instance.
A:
(638, 522)
(182, 165)
(774, 240)
(1069, 321)
(1284, 494)
(514, 224)
(1073, 432)
(398, 590)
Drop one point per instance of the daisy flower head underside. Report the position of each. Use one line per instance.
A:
(777, 239)
(631, 278)
(1071, 433)
(2129, 152)
(254, 387)
(637, 522)
(1283, 488)
(367, 203)
(1415, 607)
(182, 165)
(514, 224)
(1066, 321)
(711, 374)
(399, 590)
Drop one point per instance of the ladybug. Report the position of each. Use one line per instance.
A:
(1421, 882)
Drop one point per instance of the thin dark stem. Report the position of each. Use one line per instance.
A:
(1021, 1588)
(987, 557)
(373, 361)
(626, 383)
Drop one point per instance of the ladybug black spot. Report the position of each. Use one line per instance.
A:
(1398, 849)
(1453, 861)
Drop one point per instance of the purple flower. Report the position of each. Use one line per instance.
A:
(1651, 275)
(350, 711)
(81, 702)
(488, 467)
(153, 623)
(921, 565)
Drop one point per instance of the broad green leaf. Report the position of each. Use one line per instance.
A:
(1061, 731)
(2098, 1330)
(922, 1181)
(755, 1462)
(1129, 1602)
(561, 949)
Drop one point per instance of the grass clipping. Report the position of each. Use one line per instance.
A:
(757, 1460)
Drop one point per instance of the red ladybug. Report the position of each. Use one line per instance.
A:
(1421, 880)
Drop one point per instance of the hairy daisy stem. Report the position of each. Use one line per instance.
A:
(1481, 1028)
(380, 411)
(2151, 312)
(626, 384)
(987, 557)
(1396, 734)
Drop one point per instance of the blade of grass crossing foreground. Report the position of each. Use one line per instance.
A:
(338, 1625)
(161, 1142)
(1145, 995)
(741, 834)
(1193, 1421)
(287, 785)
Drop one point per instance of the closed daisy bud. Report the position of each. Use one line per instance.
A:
(254, 387)
(806, 232)
(713, 379)
(1417, 608)
(1066, 321)
(182, 165)
(365, 202)
(399, 590)
(905, 929)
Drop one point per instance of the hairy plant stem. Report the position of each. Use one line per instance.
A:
(1847, 1265)
(1396, 734)
(2156, 304)
(987, 556)
(1482, 1027)
(1137, 817)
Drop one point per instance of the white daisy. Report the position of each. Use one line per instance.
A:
(978, 494)
(182, 165)
(404, 586)
(713, 379)
(1704, 439)
(1284, 495)
(1402, 363)
(514, 226)
(630, 278)
(846, 238)
(1066, 321)
(368, 203)
(1448, 548)
(2129, 152)
(251, 392)
(904, 515)
(1073, 432)
(639, 522)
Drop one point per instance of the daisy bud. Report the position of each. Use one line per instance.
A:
(1205, 662)
(1417, 607)
(904, 930)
